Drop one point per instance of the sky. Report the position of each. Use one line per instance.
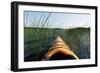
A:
(62, 20)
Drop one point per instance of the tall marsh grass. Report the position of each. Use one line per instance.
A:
(37, 41)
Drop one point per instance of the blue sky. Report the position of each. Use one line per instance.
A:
(56, 19)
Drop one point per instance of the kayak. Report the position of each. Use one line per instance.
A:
(60, 51)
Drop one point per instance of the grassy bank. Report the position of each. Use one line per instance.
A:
(37, 41)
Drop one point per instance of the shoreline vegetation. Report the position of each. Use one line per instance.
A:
(37, 41)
